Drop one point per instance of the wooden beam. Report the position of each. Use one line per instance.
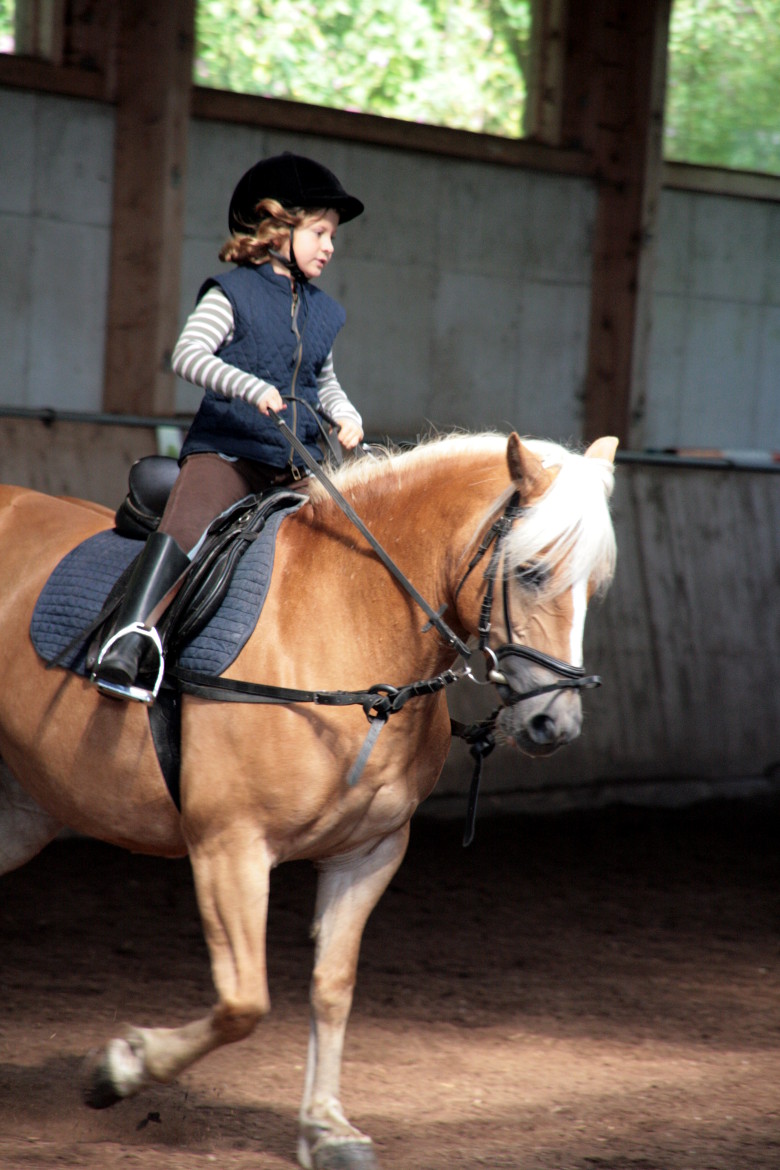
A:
(544, 99)
(244, 109)
(43, 77)
(90, 37)
(153, 85)
(38, 29)
(622, 48)
(717, 181)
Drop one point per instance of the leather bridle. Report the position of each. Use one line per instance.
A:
(481, 736)
(568, 676)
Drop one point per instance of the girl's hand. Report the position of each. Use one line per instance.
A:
(271, 400)
(349, 433)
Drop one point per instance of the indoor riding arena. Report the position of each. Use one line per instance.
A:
(593, 982)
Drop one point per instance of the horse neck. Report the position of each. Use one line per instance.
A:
(426, 516)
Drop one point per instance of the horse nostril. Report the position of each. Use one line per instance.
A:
(542, 729)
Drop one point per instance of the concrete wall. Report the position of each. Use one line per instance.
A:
(89, 461)
(715, 346)
(55, 214)
(466, 285)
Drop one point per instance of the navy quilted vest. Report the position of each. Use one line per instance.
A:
(264, 343)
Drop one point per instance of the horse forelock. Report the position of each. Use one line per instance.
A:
(569, 527)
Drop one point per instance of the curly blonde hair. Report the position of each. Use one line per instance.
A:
(269, 234)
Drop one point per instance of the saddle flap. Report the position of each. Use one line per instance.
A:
(208, 579)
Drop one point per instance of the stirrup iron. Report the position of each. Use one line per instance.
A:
(116, 690)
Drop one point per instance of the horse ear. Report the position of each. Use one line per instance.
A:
(603, 448)
(526, 469)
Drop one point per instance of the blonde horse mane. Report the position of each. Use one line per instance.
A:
(569, 529)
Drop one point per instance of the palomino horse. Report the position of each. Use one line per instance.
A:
(266, 784)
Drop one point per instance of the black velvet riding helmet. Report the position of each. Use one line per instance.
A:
(294, 181)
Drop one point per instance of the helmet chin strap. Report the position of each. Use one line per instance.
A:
(290, 264)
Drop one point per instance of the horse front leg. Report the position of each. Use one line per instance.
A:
(348, 890)
(232, 883)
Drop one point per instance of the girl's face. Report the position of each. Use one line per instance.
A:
(314, 242)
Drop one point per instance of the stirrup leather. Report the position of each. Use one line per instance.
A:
(131, 691)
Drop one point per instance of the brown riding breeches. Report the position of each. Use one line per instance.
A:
(206, 485)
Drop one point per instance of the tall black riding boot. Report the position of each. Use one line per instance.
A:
(159, 567)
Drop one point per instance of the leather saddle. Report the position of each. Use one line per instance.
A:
(149, 484)
(207, 581)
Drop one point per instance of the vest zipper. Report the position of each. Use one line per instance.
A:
(294, 306)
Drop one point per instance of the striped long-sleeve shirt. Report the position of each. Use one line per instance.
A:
(208, 328)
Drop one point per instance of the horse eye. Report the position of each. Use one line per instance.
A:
(532, 575)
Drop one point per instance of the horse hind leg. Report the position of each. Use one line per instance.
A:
(348, 890)
(232, 883)
(25, 828)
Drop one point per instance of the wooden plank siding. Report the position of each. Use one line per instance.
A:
(685, 643)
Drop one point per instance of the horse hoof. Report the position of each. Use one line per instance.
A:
(111, 1075)
(346, 1154)
(97, 1088)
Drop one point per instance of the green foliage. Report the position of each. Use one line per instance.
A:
(464, 63)
(457, 63)
(7, 39)
(722, 100)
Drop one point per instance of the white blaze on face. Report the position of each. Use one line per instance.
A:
(579, 605)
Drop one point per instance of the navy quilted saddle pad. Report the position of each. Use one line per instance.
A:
(73, 598)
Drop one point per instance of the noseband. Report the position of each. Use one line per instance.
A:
(568, 676)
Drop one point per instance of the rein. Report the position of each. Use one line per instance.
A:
(434, 617)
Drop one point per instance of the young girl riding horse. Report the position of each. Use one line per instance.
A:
(258, 332)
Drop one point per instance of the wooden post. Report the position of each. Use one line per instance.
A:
(620, 49)
(38, 29)
(544, 100)
(154, 81)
